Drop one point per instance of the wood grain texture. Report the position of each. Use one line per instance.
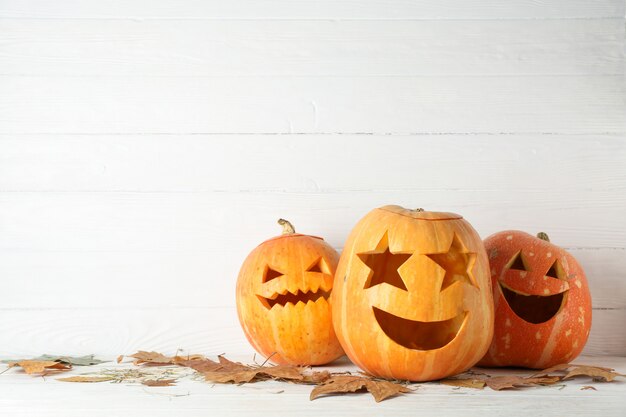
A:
(311, 48)
(324, 9)
(123, 279)
(210, 330)
(564, 104)
(194, 398)
(313, 163)
(210, 222)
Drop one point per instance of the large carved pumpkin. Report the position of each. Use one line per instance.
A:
(412, 295)
(542, 302)
(282, 299)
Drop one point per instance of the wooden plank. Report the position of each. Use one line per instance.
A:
(322, 9)
(114, 331)
(311, 163)
(313, 48)
(211, 222)
(194, 398)
(572, 104)
(121, 279)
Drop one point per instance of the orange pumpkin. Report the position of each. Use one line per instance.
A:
(412, 295)
(542, 302)
(282, 299)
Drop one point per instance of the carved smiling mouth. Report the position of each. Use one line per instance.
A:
(293, 298)
(533, 308)
(419, 335)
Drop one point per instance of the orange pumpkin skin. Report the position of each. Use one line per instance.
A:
(288, 317)
(552, 325)
(412, 295)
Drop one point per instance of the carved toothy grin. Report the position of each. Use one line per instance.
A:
(419, 335)
(533, 308)
(293, 298)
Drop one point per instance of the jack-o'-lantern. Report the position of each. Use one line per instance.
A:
(542, 302)
(283, 303)
(412, 295)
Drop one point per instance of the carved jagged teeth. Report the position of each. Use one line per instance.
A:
(289, 304)
(298, 297)
(297, 293)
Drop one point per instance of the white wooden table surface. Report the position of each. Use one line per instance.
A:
(146, 146)
(24, 395)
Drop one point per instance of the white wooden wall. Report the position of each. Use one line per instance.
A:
(146, 146)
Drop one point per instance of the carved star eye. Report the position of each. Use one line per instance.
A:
(384, 268)
(270, 274)
(458, 262)
(384, 265)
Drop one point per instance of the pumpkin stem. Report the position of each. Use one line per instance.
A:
(543, 236)
(288, 228)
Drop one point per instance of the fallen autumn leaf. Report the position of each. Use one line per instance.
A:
(464, 383)
(340, 384)
(37, 367)
(159, 382)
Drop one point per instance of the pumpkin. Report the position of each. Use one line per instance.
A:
(542, 302)
(282, 296)
(412, 295)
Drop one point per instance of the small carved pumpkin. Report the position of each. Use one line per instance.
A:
(282, 299)
(412, 295)
(542, 302)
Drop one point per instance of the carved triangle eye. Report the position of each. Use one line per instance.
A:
(556, 271)
(270, 274)
(518, 262)
(319, 266)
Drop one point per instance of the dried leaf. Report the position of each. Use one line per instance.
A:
(228, 365)
(563, 367)
(159, 382)
(151, 358)
(464, 383)
(177, 360)
(200, 365)
(586, 387)
(555, 368)
(229, 371)
(316, 377)
(238, 377)
(498, 383)
(37, 367)
(597, 373)
(252, 374)
(349, 383)
(86, 378)
(290, 373)
(119, 359)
